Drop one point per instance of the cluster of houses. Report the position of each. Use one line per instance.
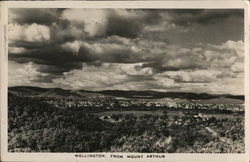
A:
(141, 103)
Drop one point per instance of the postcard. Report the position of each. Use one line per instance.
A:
(125, 81)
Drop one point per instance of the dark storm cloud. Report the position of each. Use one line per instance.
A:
(123, 28)
(63, 59)
(27, 45)
(50, 55)
(161, 66)
(187, 16)
(131, 27)
(60, 69)
(38, 15)
(56, 64)
(109, 22)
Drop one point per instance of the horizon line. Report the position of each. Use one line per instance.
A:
(131, 90)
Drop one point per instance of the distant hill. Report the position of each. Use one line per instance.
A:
(222, 100)
(53, 92)
(59, 93)
(158, 95)
(181, 96)
(26, 90)
(90, 94)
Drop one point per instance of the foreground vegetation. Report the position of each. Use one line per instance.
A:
(37, 126)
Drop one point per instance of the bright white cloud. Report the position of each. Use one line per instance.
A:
(238, 67)
(58, 34)
(94, 20)
(23, 74)
(236, 46)
(227, 85)
(90, 77)
(103, 76)
(72, 47)
(17, 50)
(192, 76)
(228, 55)
(29, 33)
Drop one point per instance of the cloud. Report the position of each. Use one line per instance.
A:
(189, 26)
(29, 16)
(61, 34)
(18, 50)
(194, 76)
(227, 86)
(154, 54)
(93, 21)
(235, 46)
(105, 76)
(225, 55)
(126, 23)
(23, 74)
(72, 47)
(162, 84)
(110, 76)
(109, 22)
(29, 33)
(188, 16)
(237, 67)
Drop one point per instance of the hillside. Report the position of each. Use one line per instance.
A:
(26, 90)
(58, 92)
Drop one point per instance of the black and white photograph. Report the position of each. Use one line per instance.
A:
(126, 80)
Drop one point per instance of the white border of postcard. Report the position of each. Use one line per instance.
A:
(178, 157)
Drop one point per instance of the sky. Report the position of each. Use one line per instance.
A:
(169, 50)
